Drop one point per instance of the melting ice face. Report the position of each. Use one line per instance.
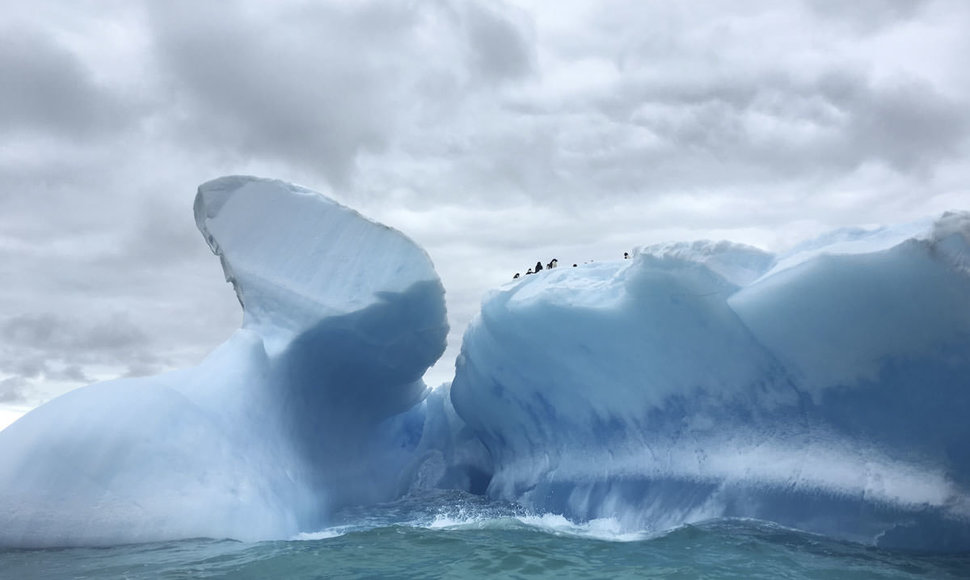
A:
(826, 389)
(284, 422)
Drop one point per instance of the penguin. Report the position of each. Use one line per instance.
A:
(528, 272)
(626, 255)
(516, 276)
(538, 267)
(552, 264)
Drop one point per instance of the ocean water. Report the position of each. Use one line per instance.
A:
(459, 536)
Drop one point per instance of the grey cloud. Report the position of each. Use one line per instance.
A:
(13, 390)
(161, 235)
(29, 330)
(255, 92)
(115, 334)
(38, 350)
(499, 48)
(46, 331)
(317, 84)
(143, 366)
(47, 88)
(28, 367)
(850, 120)
(769, 125)
(70, 373)
(909, 125)
(668, 111)
(866, 15)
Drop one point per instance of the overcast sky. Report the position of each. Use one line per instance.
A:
(493, 134)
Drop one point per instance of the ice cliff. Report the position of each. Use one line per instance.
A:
(293, 416)
(825, 389)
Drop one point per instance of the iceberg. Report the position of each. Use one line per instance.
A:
(298, 413)
(825, 389)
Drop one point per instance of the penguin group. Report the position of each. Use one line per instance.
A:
(552, 264)
(538, 267)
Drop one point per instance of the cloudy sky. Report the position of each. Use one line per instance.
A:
(494, 134)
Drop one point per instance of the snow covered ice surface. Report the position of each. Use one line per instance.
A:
(825, 389)
(289, 419)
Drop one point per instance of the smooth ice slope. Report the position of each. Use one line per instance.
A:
(299, 412)
(826, 389)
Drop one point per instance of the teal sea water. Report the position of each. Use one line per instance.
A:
(466, 537)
